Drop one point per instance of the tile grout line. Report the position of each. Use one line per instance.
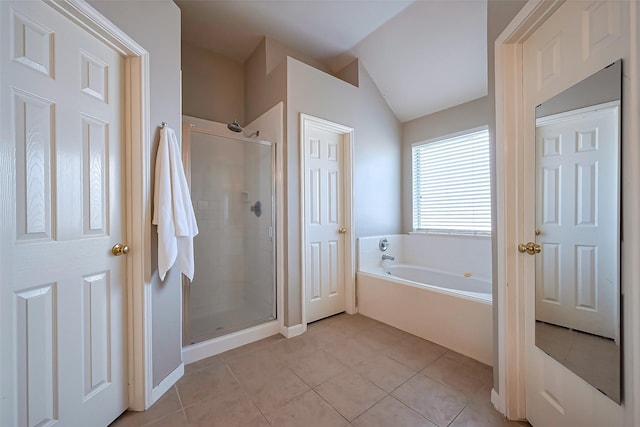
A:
(246, 392)
(365, 379)
(331, 406)
(182, 408)
(409, 407)
(457, 415)
(178, 394)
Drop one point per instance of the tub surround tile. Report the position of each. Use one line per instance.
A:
(369, 254)
(430, 250)
(350, 394)
(391, 412)
(308, 409)
(437, 402)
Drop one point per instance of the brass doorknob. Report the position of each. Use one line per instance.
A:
(530, 248)
(342, 230)
(119, 249)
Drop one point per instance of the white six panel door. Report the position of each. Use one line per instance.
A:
(324, 218)
(63, 358)
(576, 173)
(577, 40)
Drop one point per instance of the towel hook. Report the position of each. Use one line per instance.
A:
(163, 125)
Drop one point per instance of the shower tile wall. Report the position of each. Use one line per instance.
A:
(233, 285)
(258, 240)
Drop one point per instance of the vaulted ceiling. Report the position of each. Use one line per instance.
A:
(424, 55)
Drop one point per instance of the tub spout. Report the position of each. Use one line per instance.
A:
(389, 257)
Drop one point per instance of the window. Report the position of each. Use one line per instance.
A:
(451, 185)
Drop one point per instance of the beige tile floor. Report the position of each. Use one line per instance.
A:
(347, 370)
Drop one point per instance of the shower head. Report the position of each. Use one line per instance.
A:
(235, 126)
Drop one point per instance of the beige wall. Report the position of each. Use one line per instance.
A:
(377, 163)
(263, 89)
(277, 53)
(376, 158)
(350, 73)
(462, 117)
(212, 86)
(156, 27)
(305, 89)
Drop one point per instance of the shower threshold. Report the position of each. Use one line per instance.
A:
(229, 340)
(224, 330)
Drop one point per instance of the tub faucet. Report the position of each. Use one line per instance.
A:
(389, 257)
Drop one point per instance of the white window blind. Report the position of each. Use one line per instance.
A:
(451, 185)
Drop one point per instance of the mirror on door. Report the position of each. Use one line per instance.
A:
(577, 272)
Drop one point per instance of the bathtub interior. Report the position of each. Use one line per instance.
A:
(439, 278)
(468, 256)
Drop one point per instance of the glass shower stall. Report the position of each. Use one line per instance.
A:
(233, 193)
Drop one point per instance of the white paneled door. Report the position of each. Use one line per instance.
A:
(576, 182)
(63, 354)
(577, 40)
(325, 226)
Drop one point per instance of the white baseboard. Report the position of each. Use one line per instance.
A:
(293, 331)
(497, 401)
(166, 384)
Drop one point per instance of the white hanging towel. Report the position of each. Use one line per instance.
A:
(173, 211)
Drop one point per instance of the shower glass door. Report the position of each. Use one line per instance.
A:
(232, 189)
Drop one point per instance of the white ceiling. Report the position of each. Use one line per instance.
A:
(424, 56)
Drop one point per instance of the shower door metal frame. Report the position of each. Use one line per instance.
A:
(220, 130)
